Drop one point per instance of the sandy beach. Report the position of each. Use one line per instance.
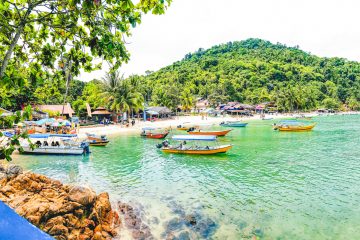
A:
(173, 123)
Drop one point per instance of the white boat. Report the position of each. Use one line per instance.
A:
(61, 144)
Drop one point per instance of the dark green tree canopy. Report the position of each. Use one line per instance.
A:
(255, 71)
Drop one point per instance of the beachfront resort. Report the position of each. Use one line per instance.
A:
(179, 120)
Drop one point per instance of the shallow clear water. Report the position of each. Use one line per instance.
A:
(273, 185)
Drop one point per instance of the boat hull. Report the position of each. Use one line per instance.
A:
(215, 150)
(156, 135)
(102, 143)
(296, 128)
(234, 124)
(211, 133)
(54, 151)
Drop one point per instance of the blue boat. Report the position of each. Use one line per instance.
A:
(233, 124)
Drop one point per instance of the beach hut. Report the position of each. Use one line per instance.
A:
(201, 105)
(100, 114)
(62, 110)
(160, 112)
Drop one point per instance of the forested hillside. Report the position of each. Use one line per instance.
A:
(254, 71)
(250, 71)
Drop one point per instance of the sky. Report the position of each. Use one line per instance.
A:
(327, 28)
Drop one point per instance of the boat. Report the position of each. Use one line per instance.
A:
(185, 126)
(293, 126)
(94, 140)
(195, 146)
(148, 133)
(233, 124)
(61, 144)
(210, 133)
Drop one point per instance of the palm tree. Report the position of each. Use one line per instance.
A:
(111, 82)
(186, 99)
(122, 94)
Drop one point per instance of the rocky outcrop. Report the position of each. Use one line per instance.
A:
(63, 211)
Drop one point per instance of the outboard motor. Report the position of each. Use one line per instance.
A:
(165, 143)
(86, 147)
(191, 129)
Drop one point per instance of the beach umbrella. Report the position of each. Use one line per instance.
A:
(65, 123)
(45, 121)
(20, 124)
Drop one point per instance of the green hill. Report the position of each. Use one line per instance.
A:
(254, 71)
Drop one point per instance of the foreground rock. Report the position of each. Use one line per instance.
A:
(63, 211)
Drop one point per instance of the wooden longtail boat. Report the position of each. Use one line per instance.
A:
(182, 148)
(293, 126)
(147, 133)
(94, 140)
(210, 133)
(296, 128)
(233, 124)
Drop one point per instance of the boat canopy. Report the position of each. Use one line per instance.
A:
(148, 128)
(8, 134)
(52, 135)
(194, 138)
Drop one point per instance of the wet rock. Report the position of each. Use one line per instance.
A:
(258, 232)
(133, 222)
(82, 195)
(174, 224)
(206, 227)
(184, 236)
(176, 208)
(242, 225)
(190, 219)
(154, 220)
(13, 170)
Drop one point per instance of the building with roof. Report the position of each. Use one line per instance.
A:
(201, 105)
(62, 110)
(160, 112)
(100, 114)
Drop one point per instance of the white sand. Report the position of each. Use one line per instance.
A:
(173, 123)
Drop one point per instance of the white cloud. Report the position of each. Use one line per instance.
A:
(323, 27)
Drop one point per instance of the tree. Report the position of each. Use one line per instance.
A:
(186, 99)
(78, 30)
(122, 95)
(9, 144)
(331, 103)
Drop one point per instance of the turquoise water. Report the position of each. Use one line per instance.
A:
(271, 185)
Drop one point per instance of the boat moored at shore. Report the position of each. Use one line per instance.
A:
(210, 133)
(233, 124)
(195, 147)
(95, 140)
(148, 132)
(293, 126)
(60, 144)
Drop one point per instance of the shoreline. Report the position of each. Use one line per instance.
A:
(113, 130)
